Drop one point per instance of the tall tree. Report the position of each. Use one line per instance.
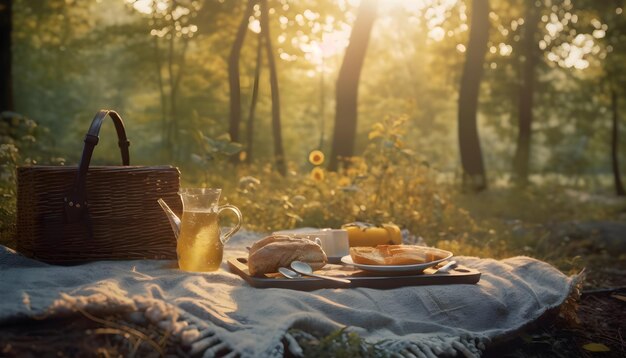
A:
(619, 187)
(6, 87)
(474, 177)
(233, 73)
(612, 14)
(344, 132)
(279, 155)
(161, 84)
(254, 100)
(527, 88)
(612, 28)
(174, 81)
(171, 27)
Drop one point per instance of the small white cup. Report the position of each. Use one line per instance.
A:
(334, 242)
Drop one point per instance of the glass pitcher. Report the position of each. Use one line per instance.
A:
(200, 243)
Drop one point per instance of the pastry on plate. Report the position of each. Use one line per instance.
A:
(392, 255)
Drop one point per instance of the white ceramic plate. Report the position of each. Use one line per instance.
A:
(416, 268)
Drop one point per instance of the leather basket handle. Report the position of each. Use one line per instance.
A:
(75, 202)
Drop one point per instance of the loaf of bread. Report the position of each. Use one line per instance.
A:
(270, 239)
(275, 251)
(391, 255)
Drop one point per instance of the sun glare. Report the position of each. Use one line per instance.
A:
(328, 38)
(148, 6)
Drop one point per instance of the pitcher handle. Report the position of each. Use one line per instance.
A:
(225, 237)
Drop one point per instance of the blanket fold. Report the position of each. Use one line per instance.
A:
(218, 312)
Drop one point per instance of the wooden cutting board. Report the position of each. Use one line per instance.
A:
(359, 278)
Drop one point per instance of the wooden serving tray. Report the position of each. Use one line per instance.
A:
(359, 278)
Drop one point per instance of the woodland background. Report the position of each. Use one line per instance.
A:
(165, 66)
(486, 127)
(470, 124)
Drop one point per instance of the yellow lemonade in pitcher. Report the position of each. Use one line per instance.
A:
(199, 246)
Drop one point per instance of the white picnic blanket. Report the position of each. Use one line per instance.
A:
(218, 311)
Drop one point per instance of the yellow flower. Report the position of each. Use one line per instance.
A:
(316, 157)
(317, 174)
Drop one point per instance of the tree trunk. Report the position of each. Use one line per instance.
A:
(253, 102)
(179, 144)
(322, 107)
(474, 178)
(6, 86)
(164, 124)
(172, 132)
(279, 155)
(159, 68)
(233, 73)
(525, 109)
(344, 132)
(619, 188)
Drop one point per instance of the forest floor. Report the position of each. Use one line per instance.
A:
(586, 234)
(592, 323)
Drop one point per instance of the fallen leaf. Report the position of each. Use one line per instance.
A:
(596, 347)
(619, 297)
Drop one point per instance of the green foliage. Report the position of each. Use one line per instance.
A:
(390, 183)
(221, 145)
(72, 58)
(17, 134)
(13, 130)
(340, 343)
(8, 162)
(368, 190)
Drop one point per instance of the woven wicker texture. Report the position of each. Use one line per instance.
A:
(126, 222)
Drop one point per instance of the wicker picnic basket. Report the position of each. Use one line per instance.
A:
(68, 214)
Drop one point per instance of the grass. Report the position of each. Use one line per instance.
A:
(85, 335)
